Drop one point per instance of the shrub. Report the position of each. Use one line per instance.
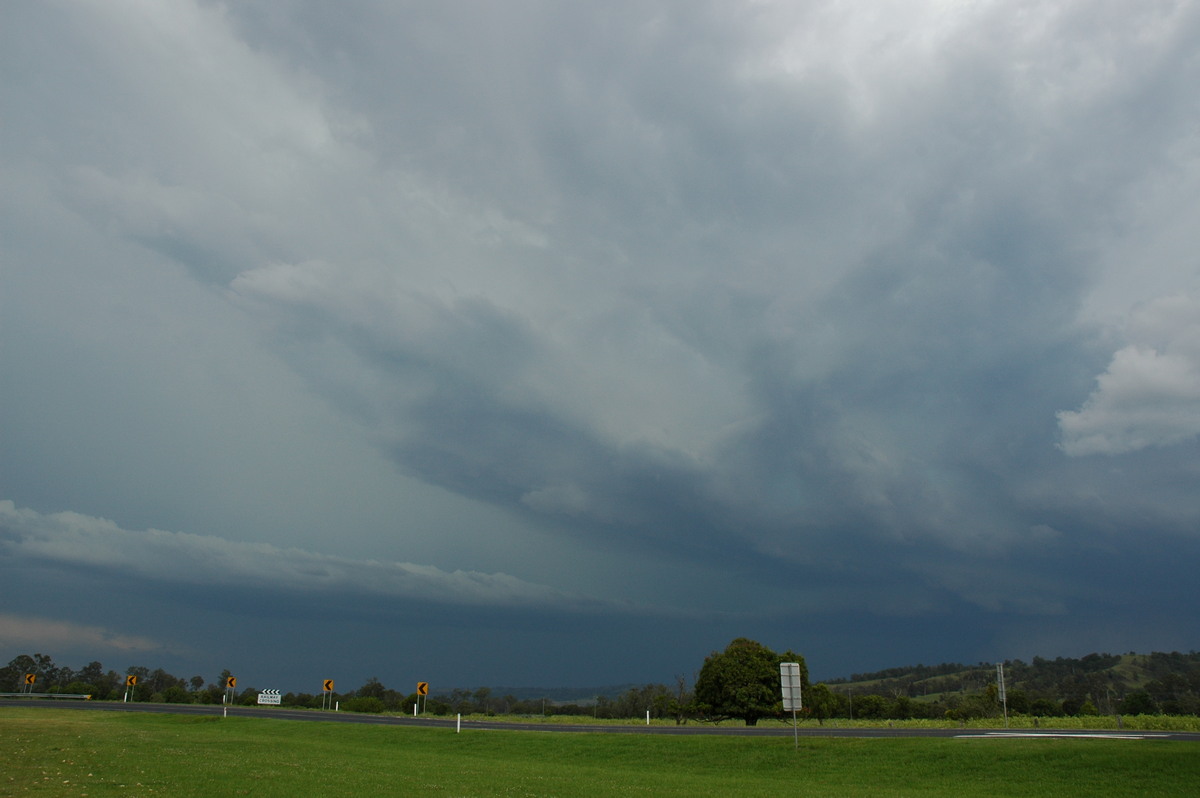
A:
(1139, 703)
(176, 695)
(83, 688)
(364, 704)
(1045, 708)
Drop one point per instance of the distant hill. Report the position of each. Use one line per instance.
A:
(582, 696)
(1166, 677)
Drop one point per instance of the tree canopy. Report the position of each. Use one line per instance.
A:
(743, 682)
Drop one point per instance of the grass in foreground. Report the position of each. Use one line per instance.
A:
(71, 753)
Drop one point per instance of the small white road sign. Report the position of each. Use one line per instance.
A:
(269, 697)
(789, 679)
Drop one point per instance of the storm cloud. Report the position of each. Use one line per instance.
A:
(727, 318)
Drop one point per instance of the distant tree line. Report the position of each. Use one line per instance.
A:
(741, 682)
(158, 686)
(1108, 684)
(92, 679)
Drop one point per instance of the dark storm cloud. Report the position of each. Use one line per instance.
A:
(730, 306)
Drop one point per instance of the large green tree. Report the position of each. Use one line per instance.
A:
(743, 682)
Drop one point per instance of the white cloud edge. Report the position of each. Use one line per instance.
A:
(34, 632)
(1149, 396)
(73, 539)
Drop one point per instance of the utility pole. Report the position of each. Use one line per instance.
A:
(1000, 690)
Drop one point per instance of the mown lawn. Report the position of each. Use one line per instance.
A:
(56, 752)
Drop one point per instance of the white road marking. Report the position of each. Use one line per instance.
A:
(1091, 735)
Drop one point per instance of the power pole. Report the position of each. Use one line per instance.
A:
(1000, 689)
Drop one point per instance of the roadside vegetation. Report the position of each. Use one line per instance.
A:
(740, 684)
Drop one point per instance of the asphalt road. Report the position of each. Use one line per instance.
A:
(472, 724)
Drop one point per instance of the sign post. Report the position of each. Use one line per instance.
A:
(789, 682)
(327, 694)
(130, 683)
(422, 692)
(230, 684)
(30, 681)
(1000, 691)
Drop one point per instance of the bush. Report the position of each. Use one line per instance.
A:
(176, 695)
(83, 688)
(1139, 703)
(1045, 708)
(364, 704)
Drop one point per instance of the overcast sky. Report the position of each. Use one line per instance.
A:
(539, 343)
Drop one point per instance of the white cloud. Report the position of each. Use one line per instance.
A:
(21, 632)
(1150, 393)
(568, 499)
(75, 540)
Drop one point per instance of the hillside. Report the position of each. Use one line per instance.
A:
(583, 696)
(1170, 680)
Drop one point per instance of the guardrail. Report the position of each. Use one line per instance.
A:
(81, 696)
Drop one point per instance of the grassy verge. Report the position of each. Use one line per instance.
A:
(1129, 722)
(53, 752)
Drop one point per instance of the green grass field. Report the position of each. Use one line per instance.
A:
(1188, 723)
(56, 752)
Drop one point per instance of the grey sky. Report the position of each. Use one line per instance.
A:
(561, 343)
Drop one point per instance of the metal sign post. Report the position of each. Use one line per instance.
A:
(789, 682)
(327, 694)
(230, 685)
(1000, 690)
